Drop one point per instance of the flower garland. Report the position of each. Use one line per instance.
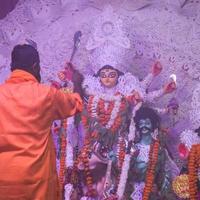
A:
(69, 147)
(69, 163)
(108, 175)
(193, 165)
(84, 158)
(121, 146)
(74, 179)
(107, 111)
(62, 154)
(180, 186)
(126, 84)
(68, 191)
(104, 114)
(189, 138)
(127, 156)
(153, 157)
(123, 176)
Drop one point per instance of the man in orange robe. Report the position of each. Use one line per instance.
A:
(27, 110)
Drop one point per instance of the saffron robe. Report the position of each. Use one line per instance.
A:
(27, 153)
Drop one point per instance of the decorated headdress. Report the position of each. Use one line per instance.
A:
(108, 45)
(108, 42)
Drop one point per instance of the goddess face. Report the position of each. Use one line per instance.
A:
(108, 77)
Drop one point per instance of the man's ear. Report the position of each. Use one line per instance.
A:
(35, 70)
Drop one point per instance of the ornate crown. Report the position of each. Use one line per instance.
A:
(108, 43)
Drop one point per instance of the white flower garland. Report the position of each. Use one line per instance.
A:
(69, 161)
(117, 102)
(94, 106)
(107, 97)
(68, 191)
(189, 138)
(84, 198)
(144, 152)
(127, 83)
(123, 176)
(138, 191)
(120, 139)
(126, 163)
(114, 114)
(69, 155)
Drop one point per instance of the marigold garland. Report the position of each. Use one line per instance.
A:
(75, 179)
(84, 158)
(89, 180)
(103, 112)
(180, 186)
(121, 146)
(89, 105)
(121, 153)
(63, 154)
(153, 157)
(193, 165)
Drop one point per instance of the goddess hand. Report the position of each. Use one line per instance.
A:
(156, 68)
(67, 74)
(134, 98)
(169, 87)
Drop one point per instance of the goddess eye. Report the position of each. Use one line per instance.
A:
(112, 75)
(102, 75)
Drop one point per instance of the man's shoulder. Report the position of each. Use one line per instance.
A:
(34, 86)
(47, 88)
(3, 86)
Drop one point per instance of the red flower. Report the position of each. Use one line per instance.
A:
(183, 151)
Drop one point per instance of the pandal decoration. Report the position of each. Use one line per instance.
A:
(181, 186)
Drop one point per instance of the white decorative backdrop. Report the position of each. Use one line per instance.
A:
(165, 30)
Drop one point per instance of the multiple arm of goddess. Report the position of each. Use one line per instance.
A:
(106, 119)
(167, 88)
